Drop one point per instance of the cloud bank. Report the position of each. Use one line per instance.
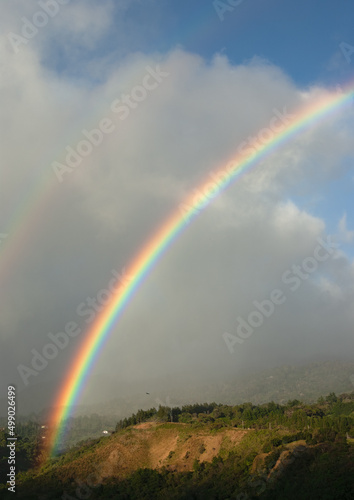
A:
(70, 235)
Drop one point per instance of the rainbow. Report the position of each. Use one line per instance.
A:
(94, 341)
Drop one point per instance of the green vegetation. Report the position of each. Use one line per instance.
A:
(208, 451)
(333, 413)
(27, 448)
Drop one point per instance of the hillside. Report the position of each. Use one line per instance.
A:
(174, 446)
(210, 451)
(281, 383)
(306, 382)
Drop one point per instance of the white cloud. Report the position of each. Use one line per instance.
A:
(345, 235)
(85, 22)
(104, 211)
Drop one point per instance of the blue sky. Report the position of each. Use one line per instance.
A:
(301, 37)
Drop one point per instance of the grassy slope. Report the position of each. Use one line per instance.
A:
(176, 447)
(148, 445)
(206, 460)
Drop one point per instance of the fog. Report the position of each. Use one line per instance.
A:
(66, 230)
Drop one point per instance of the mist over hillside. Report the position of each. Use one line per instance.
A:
(304, 382)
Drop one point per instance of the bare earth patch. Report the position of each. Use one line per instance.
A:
(154, 446)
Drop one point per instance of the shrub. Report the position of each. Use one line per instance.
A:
(202, 448)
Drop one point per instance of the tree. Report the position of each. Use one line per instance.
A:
(293, 402)
(331, 398)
